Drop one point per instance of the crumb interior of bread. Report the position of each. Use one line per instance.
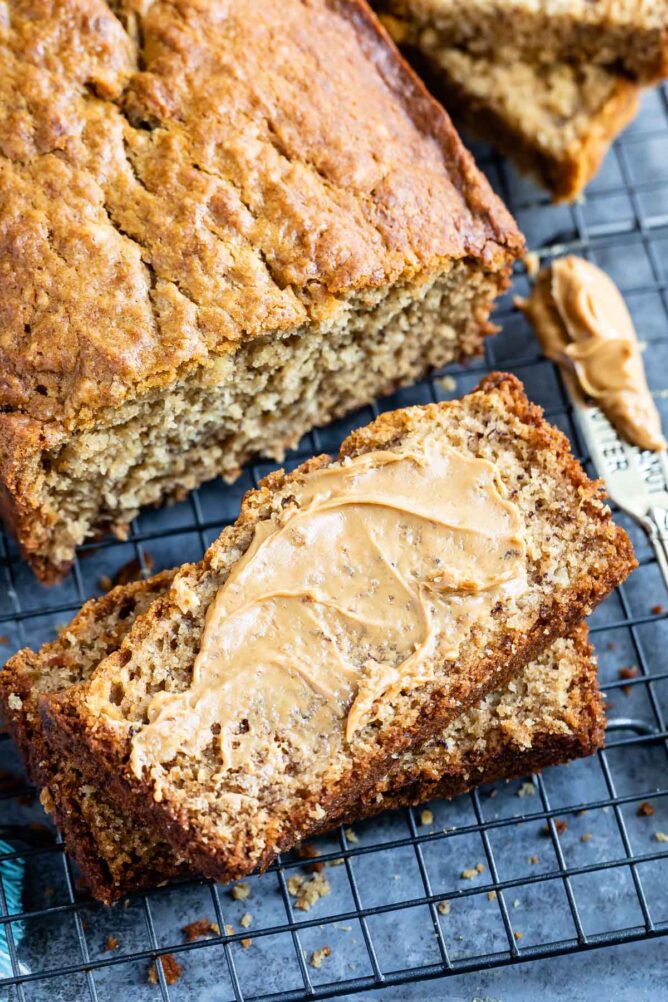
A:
(551, 105)
(259, 400)
(539, 701)
(564, 545)
(618, 33)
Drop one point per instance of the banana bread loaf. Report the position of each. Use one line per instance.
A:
(498, 544)
(550, 713)
(214, 236)
(627, 36)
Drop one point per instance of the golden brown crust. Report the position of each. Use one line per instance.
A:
(209, 214)
(607, 558)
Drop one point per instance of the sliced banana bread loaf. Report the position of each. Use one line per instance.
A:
(214, 236)
(379, 595)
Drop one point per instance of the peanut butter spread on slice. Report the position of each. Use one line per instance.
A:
(369, 575)
(582, 320)
(179, 178)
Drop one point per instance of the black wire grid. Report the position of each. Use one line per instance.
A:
(399, 909)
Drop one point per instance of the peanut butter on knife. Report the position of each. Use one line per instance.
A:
(582, 321)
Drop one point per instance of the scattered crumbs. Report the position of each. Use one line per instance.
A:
(246, 942)
(200, 929)
(240, 891)
(105, 582)
(447, 383)
(4, 640)
(308, 851)
(628, 673)
(343, 928)
(517, 903)
(229, 929)
(350, 835)
(661, 836)
(339, 861)
(531, 262)
(111, 943)
(526, 790)
(645, 810)
(395, 876)
(318, 956)
(491, 895)
(171, 969)
(606, 809)
(586, 837)
(493, 793)
(533, 860)
(611, 645)
(559, 826)
(307, 890)
(426, 817)
(480, 867)
(472, 873)
(517, 934)
(656, 610)
(246, 919)
(443, 907)
(580, 813)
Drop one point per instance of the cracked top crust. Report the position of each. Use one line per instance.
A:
(176, 177)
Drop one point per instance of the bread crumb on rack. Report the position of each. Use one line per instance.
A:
(645, 810)
(240, 892)
(318, 956)
(200, 929)
(307, 890)
(171, 969)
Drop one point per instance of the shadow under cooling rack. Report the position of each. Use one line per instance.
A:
(574, 859)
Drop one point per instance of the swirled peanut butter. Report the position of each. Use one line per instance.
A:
(581, 319)
(370, 572)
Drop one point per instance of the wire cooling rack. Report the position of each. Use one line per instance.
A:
(572, 863)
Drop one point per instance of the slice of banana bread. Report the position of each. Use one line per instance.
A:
(554, 120)
(626, 36)
(214, 236)
(550, 713)
(181, 724)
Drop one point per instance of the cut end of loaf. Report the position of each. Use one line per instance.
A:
(257, 402)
